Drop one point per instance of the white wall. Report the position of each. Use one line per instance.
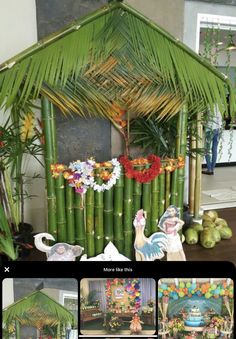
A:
(18, 31)
(18, 26)
(7, 292)
(191, 10)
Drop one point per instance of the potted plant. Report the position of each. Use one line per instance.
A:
(17, 139)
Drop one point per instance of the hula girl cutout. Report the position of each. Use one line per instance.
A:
(170, 224)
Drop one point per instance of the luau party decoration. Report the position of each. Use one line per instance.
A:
(132, 288)
(80, 174)
(112, 177)
(189, 289)
(59, 251)
(144, 175)
(170, 224)
(148, 249)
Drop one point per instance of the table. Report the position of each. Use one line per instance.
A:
(163, 333)
(191, 329)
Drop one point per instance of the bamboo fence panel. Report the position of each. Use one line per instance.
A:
(128, 216)
(98, 216)
(48, 120)
(90, 222)
(61, 209)
(155, 204)
(146, 205)
(80, 234)
(118, 213)
(108, 215)
(70, 214)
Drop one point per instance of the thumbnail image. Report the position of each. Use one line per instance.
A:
(39, 308)
(196, 308)
(118, 306)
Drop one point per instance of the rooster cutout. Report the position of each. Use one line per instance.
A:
(148, 249)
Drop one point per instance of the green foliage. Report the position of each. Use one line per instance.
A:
(6, 241)
(37, 310)
(157, 136)
(153, 71)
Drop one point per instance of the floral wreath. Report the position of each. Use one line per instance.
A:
(113, 177)
(145, 175)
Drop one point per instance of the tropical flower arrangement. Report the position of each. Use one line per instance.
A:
(81, 174)
(176, 325)
(113, 323)
(217, 321)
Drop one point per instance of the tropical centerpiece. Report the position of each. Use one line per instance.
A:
(176, 325)
(112, 323)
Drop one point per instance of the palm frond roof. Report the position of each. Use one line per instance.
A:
(37, 310)
(114, 55)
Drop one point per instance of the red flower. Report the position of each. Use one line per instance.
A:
(145, 175)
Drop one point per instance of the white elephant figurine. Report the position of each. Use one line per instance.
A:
(59, 251)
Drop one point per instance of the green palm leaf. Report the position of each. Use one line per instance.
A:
(151, 70)
(37, 310)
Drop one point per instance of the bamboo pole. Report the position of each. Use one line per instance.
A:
(128, 217)
(80, 236)
(192, 174)
(61, 211)
(47, 117)
(155, 204)
(182, 127)
(167, 188)
(17, 327)
(90, 222)
(98, 213)
(161, 183)
(108, 215)
(118, 213)
(137, 195)
(198, 177)
(174, 190)
(70, 214)
(146, 203)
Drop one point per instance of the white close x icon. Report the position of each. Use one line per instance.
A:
(7, 269)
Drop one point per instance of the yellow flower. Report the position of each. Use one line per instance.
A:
(27, 127)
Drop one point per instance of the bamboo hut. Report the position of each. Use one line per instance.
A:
(114, 55)
(36, 310)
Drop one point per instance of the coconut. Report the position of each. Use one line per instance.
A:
(197, 227)
(211, 214)
(221, 222)
(209, 224)
(206, 239)
(216, 234)
(225, 232)
(191, 236)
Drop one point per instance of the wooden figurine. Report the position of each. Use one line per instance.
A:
(148, 249)
(170, 223)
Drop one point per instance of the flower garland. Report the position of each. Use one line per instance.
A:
(112, 177)
(144, 175)
(80, 174)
